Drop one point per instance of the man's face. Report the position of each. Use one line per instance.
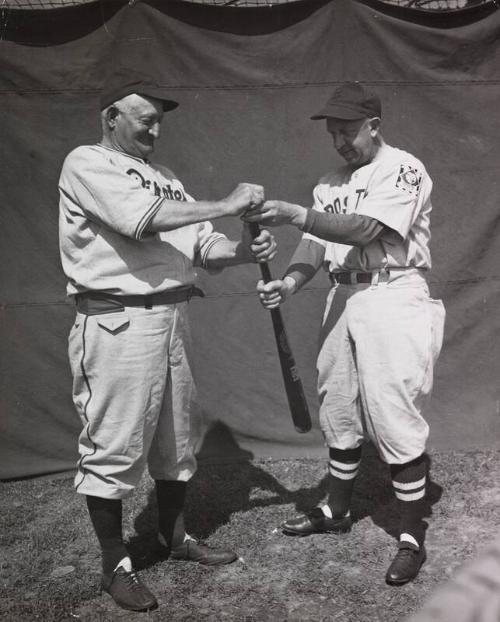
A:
(136, 124)
(354, 140)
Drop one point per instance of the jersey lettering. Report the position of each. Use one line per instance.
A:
(166, 190)
(361, 193)
(339, 206)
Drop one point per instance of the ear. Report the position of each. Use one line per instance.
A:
(111, 113)
(375, 126)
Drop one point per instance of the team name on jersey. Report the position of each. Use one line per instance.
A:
(166, 191)
(340, 205)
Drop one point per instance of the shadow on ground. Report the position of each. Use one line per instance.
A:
(206, 513)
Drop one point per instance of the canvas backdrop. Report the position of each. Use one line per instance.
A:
(248, 81)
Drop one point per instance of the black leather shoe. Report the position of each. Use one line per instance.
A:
(405, 565)
(128, 591)
(192, 550)
(316, 522)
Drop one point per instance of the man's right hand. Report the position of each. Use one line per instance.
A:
(273, 293)
(244, 196)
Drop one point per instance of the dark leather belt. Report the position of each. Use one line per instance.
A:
(348, 278)
(96, 303)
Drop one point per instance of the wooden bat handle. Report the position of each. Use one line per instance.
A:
(293, 385)
(264, 268)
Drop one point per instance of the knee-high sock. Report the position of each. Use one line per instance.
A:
(171, 496)
(343, 467)
(106, 517)
(409, 483)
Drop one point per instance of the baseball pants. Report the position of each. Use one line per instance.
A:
(134, 392)
(378, 347)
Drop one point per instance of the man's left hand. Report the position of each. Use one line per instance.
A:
(276, 213)
(263, 247)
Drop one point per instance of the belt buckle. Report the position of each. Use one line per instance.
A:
(384, 275)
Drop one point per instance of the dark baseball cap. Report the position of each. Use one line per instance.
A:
(120, 85)
(350, 101)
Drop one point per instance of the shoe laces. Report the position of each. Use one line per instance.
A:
(131, 580)
(407, 553)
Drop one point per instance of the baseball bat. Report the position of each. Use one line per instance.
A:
(293, 385)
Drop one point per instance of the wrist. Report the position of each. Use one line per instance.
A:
(289, 286)
(299, 217)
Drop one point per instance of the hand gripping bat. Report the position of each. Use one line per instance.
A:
(293, 385)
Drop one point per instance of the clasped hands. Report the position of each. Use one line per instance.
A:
(271, 213)
(248, 201)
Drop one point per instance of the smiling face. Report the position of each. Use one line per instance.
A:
(356, 141)
(133, 124)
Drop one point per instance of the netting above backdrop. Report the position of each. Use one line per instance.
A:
(429, 5)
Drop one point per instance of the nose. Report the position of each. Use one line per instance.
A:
(338, 140)
(154, 130)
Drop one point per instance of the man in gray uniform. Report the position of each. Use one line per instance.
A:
(130, 240)
(381, 332)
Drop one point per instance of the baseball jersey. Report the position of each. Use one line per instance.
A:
(393, 188)
(107, 200)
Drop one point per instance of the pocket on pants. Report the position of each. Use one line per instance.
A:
(114, 325)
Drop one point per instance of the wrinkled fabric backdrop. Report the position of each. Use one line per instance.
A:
(248, 80)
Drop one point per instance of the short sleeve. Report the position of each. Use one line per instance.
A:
(396, 195)
(106, 194)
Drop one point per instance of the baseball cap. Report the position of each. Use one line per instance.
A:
(350, 101)
(120, 85)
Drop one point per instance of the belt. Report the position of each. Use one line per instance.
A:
(353, 278)
(96, 303)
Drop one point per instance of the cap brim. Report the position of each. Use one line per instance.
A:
(155, 92)
(339, 112)
(168, 104)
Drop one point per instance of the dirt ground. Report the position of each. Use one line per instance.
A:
(49, 566)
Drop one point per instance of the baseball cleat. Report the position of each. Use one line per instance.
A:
(316, 522)
(195, 551)
(128, 591)
(405, 565)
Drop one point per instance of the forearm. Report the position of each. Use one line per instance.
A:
(225, 253)
(175, 214)
(304, 264)
(352, 229)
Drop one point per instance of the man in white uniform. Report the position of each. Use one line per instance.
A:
(381, 332)
(130, 240)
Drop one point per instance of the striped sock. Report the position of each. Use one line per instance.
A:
(409, 484)
(343, 467)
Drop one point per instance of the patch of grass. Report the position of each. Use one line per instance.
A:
(50, 563)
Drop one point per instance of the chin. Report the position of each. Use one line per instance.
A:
(146, 150)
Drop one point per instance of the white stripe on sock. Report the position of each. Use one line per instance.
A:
(343, 473)
(410, 496)
(345, 466)
(409, 485)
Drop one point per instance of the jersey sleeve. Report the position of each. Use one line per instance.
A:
(106, 194)
(207, 237)
(396, 194)
(319, 206)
